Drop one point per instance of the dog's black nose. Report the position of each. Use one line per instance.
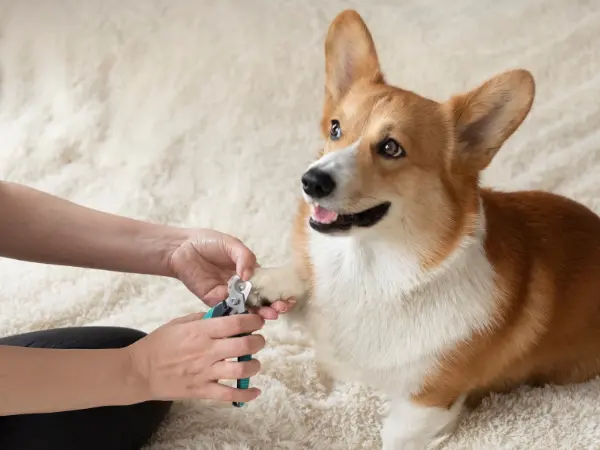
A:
(317, 184)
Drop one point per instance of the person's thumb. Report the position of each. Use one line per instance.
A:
(242, 256)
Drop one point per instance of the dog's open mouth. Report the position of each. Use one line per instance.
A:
(327, 221)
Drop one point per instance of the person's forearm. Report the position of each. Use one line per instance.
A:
(38, 227)
(36, 380)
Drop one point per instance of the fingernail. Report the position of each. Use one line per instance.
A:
(290, 304)
(246, 275)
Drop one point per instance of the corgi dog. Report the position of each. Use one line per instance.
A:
(410, 277)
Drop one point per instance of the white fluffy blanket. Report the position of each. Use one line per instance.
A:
(204, 113)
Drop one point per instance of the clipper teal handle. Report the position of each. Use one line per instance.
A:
(220, 310)
(243, 383)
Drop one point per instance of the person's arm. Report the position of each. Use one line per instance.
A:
(183, 359)
(39, 227)
(34, 380)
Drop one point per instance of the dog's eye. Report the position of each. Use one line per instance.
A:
(391, 149)
(336, 130)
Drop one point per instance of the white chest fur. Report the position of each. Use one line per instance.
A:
(377, 317)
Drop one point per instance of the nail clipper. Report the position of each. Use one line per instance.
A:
(235, 303)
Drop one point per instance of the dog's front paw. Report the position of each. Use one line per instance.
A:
(398, 443)
(272, 284)
(324, 379)
(412, 426)
(414, 444)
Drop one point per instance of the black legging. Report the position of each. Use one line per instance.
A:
(106, 428)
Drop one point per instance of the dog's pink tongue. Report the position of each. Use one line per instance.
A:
(323, 215)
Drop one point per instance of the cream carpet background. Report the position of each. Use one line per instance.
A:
(205, 113)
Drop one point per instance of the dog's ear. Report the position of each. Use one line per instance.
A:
(350, 56)
(488, 115)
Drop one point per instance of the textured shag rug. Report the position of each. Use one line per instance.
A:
(205, 113)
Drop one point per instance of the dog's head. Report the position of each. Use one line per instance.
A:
(392, 155)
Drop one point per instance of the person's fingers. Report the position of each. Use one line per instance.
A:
(224, 327)
(267, 313)
(239, 346)
(283, 306)
(272, 312)
(189, 318)
(217, 391)
(215, 295)
(232, 370)
(242, 256)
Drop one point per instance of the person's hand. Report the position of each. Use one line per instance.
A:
(185, 358)
(208, 259)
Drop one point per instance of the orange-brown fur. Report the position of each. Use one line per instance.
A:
(546, 252)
